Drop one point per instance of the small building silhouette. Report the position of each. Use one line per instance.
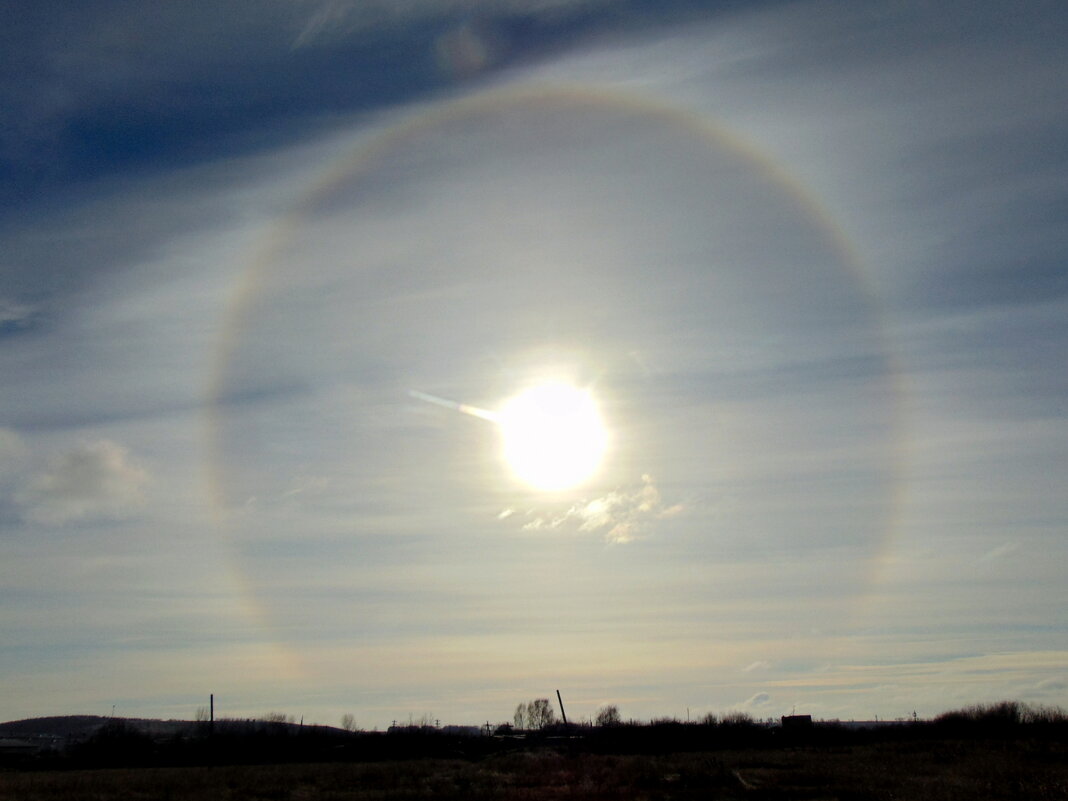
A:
(796, 722)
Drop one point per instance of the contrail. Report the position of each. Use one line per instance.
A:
(474, 411)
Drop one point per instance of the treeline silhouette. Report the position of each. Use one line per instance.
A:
(1001, 720)
(122, 743)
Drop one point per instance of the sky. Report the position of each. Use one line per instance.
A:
(806, 259)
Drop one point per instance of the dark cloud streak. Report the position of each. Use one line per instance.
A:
(100, 87)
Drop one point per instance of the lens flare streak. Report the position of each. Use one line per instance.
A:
(552, 435)
(474, 411)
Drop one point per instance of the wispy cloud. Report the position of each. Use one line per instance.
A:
(333, 19)
(756, 701)
(14, 315)
(621, 515)
(1001, 552)
(92, 481)
(12, 454)
(1049, 691)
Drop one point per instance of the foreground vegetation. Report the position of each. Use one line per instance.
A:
(1000, 751)
(932, 771)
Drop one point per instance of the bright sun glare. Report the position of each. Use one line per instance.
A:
(553, 436)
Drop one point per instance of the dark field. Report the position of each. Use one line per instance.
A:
(929, 770)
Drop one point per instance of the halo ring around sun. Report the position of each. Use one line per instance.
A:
(250, 341)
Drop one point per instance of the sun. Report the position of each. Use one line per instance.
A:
(554, 438)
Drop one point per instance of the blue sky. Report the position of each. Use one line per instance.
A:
(806, 257)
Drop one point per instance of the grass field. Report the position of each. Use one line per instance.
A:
(927, 771)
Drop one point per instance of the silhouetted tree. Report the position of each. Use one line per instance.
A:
(608, 716)
(540, 713)
(737, 718)
(1045, 715)
(1002, 715)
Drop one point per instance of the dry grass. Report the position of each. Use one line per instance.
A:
(932, 771)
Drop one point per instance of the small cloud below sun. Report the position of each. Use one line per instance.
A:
(621, 515)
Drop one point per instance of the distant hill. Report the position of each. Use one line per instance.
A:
(74, 726)
(79, 727)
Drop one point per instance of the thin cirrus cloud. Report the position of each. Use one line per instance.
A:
(757, 666)
(805, 255)
(757, 701)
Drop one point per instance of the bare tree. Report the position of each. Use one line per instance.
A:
(520, 716)
(348, 722)
(737, 718)
(540, 713)
(608, 716)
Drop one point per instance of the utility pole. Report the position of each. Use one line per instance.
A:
(560, 700)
